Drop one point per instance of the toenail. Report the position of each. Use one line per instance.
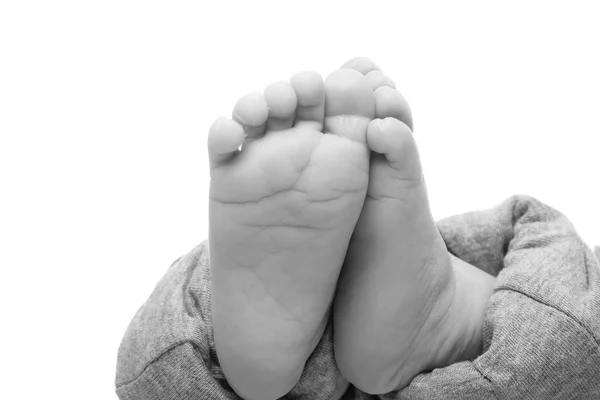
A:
(364, 61)
(381, 124)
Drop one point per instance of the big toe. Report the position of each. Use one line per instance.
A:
(393, 139)
(389, 102)
(349, 104)
(363, 65)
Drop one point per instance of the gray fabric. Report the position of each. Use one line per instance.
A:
(541, 330)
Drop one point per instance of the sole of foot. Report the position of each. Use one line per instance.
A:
(289, 176)
(404, 305)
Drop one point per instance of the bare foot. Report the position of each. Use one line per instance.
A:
(282, 211)
(403, 305)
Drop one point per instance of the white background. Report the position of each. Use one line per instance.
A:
(105, 106)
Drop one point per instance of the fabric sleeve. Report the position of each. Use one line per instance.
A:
(541, 330)
(542, 324)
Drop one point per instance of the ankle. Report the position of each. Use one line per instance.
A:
(472, 290)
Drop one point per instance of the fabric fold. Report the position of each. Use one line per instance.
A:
(541, 330)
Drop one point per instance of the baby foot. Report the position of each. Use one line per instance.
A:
(282, 211)
(403, 304)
